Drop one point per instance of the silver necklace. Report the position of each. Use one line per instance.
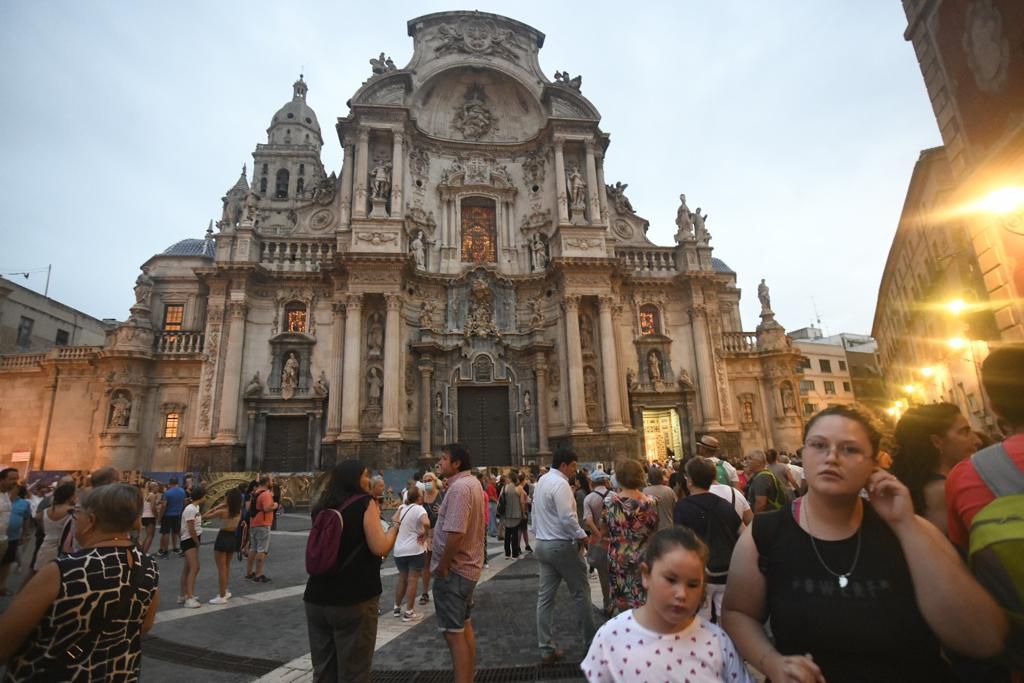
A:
(842, 579)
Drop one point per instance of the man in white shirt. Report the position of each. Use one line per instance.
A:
(708, 447)
(738, 500)
(560, 542)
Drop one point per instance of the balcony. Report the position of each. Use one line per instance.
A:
(658, 261)
(178, 343)
(295, 257)
(739, 342)
(77, 352)
(21, 361)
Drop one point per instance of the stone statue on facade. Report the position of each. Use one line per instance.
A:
(251, 202)
(540, 253)
(417, 249)
(788, 399)
(536, 312)
(373, 386)
(527, 403)
(375, 336)
(700, 229)
(764, 296)
(577, 189)
(480, 321)
(562, 78)
(322, 386)
(143, 289)
(653, 367)
(120, 410)
(684, 220)
(290, 376)
(255, 386)
(380, 180)
(586, 333)
(382, 64)
(473, 119)
(617, 193)
(427, 314)
(631, 382)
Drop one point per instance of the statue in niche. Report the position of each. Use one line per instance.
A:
(536, 312)
(255, 386)
(373, 386)
(748, 411)
(703, 236)
(417, 249)
(684, 220)
(381, 180)
(540, 253)
(322, 387)
(589, 386)
(527, 402)
(120, 410)
(290, 376)
(586, 333)
(764, 296)
(788, 399)
(438, 404)
(577, 189)
(375, 336)
(427, 314)
(654, 367)
(143, 289)
(631, 382)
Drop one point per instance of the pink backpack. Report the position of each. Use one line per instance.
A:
(324, 543)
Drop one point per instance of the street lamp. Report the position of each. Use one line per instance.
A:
(956, 306)
(928, 372)
(957, 343)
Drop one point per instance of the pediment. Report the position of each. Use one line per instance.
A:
(565, 103)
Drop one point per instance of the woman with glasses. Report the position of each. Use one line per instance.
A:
(857, 587)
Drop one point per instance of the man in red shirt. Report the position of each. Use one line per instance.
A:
(259, 530)
(1002, 374)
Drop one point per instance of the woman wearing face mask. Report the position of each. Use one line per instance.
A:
(856, 589)
(432, 499)
(930, 440)
(53, 630)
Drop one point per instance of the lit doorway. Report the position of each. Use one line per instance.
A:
(661, 431)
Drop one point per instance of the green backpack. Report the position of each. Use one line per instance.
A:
(996, 551)
(777, 498)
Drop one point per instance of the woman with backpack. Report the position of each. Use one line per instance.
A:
(410, 550)
(856, 589)
(341, 604)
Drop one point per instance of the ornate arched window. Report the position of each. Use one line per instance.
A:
(281, 184)
(295, 317)
(479, 230)
(172, 423)
(650, 320)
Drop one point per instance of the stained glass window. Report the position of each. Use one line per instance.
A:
(295, 317)
(648, 321)
(478, 234)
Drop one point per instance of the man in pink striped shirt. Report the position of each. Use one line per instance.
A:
(458, 557)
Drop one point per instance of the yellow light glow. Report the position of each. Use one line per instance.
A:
(957, 343)
(956, 306)
(1002, 201)
(893, 411)
(909, 388)
(902, 404)
(928, 371)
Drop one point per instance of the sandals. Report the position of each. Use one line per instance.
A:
(425, 598)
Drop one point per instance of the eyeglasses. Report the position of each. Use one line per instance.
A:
(849, 450)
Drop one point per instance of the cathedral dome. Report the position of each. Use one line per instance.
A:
(191, 247)
(295, 113)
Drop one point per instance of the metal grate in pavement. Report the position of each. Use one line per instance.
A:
(565, 671)
(204, 658)
(513, 577)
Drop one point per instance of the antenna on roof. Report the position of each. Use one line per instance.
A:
(817, 316)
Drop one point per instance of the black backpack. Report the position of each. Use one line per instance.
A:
(720, 535)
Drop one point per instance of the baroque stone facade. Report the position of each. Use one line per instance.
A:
(468, 275)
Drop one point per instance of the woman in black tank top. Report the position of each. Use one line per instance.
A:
(855, 591)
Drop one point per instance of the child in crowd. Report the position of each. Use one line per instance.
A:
(664, 639)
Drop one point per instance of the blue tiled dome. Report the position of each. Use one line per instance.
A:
(191, 247)
(720, 266)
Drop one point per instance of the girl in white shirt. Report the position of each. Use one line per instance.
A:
(191, 531)
(665, 639)
(410, 551)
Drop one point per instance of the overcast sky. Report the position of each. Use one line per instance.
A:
(795, 124)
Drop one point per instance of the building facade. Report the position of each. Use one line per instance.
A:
(825, 378)
(33, 323)
(468, 275)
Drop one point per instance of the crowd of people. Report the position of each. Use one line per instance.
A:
(841, 562)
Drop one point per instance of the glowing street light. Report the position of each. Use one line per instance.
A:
(956, 306)
(956, 343)
(928, 371)
(909, 388)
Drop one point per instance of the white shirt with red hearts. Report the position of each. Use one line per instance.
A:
(624, 651)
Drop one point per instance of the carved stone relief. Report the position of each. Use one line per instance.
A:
(479, 37)
(473, 118)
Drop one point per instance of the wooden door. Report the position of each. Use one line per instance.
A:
(287, 444)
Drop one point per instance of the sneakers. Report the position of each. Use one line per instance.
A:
(397, 611)
(250, 577)
(219, 600)
(181, 599)
(192, 603)
(410, 616)
(260, 579)
(162, 555)
(425, 598)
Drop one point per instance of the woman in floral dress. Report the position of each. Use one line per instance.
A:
(630, 519)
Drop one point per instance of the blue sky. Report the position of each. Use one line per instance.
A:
(794, 124)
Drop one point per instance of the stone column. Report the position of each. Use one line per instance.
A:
(352, 372)
(577, 405)
(540, 405)
(392, 366)
(426, 368)
(593, 192)
(346, 184)
(602, 187)
(397, 175)
(227, 431)
(362, 174)
(707, 383)
(560, 190)
(334, 373)
(610, 368)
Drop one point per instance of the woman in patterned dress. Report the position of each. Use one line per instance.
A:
(81, 618)
(630, 519)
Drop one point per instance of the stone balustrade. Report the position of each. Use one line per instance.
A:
(178, 343)
(292, 256)
(739, 342)
(21, 360)
(77, 352)
(648, 261)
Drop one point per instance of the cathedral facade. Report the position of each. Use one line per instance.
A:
(468, 275)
